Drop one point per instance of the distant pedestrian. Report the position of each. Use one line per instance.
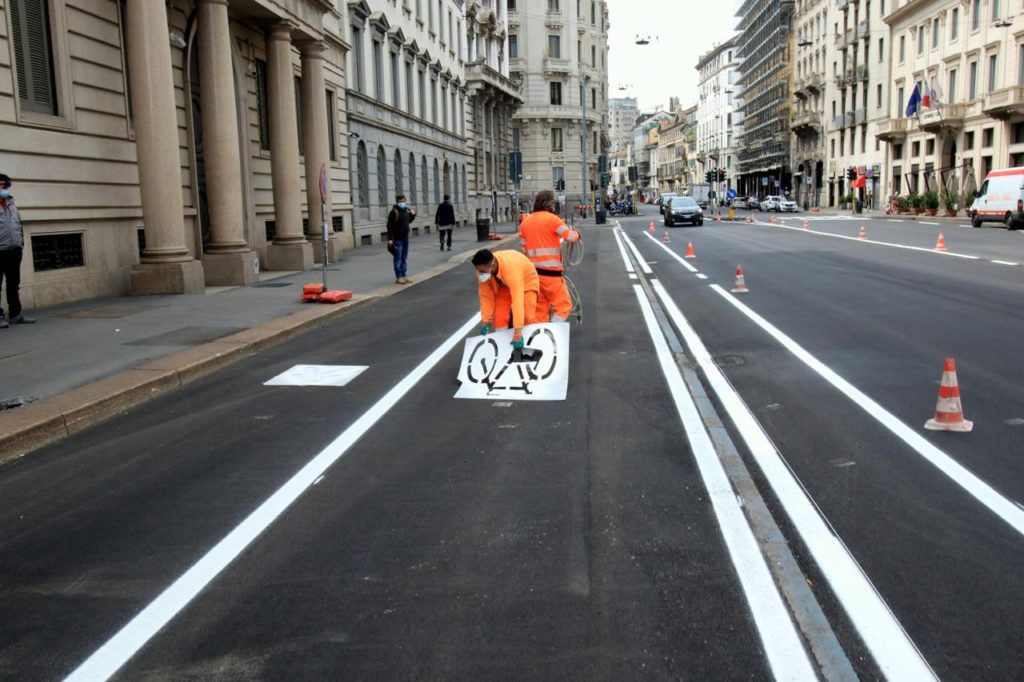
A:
(445, 221)
(12, 242)
(399, 217)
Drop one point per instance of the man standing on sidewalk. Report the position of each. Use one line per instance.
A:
(398, 236)
(12, 242)
(445, 221)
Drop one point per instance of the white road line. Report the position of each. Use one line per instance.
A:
(870, 241)
(981, 491)
(1005, 262)
(632, 275)
(639, 259)
(117, 651)
(679, 259)
(895, 220)
(783, 647)
(926, 223)
(701, 276)
(622, 250)
(890, 646)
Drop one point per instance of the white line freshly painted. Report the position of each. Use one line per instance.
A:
(622, 250)
(632, 275)
(679, 259)
(783, 647)
(109, 658)
(963, 477)
(639, 259)
(926, 223)
(701, 276)
(1005, 262)
(870, 241)
(889, 644)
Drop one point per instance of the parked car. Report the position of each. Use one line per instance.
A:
(777, 203)
(1000, 199)
(743, 202)
(664, 201)
(683, 210)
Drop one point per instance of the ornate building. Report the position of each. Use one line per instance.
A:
(811, 91)
(717, 72)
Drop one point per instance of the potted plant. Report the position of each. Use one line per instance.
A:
(916, 203)
(949, 203)
(968, 198)
(903, 204)
(931, 202)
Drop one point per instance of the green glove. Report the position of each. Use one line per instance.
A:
(518, 344)
(486, 329)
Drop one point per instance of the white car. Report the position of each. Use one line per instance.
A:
(1000, 199)
(777, 203)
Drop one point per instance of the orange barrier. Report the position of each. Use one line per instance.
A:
(940, 244)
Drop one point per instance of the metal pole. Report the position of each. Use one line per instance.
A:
(323, 223)
(583, 138)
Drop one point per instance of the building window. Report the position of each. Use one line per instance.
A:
(513, 46)
(332, 143)
(399, 180)
(556, 93)
(553, 6)
(975, 15)
(433, 100)
(988, 136)
(382, 177)
(972, 81)
(422, 86)
(378, 70)
(298, 110)
(929, 147)
(920, 39)
(555, 47)
(593, 56)
(915, 150)
(995, 9)
(358, 63)
(556, 140)
(423, 179)
(593, 99)
(262, 113)
(515, 139)
(881, 50)
(992, 73)
(557, 175)
(935, 34)
(903, 49)
(437, 182)
(362, 176)
(444, 106)
(408, 88)
(954, 24)
(969, 141)
(57, 251)
(396, 89)
(33, 56)
(878, 96)
(412, 179)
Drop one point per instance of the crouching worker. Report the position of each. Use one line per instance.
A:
(509, 287)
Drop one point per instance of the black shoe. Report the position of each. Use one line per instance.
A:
(442, 247)
(21, 319)
(3, 322)
(449, 247)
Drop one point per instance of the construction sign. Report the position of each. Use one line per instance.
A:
(491, 369)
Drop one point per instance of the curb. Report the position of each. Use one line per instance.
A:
(33, 426)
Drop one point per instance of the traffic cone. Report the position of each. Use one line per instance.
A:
(740, 286)
(666, 238)
(690, 253)
(718, 218)
(782, 221)
(650, 227)
(863, 233)
(949, 413)
(771, 219)
(940, 245)
(807, 225)
(750, 220)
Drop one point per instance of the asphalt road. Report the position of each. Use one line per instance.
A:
(585, 539)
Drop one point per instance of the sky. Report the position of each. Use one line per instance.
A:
(680, 31)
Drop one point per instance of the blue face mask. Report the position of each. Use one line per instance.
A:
(5, 194)
(401, 204)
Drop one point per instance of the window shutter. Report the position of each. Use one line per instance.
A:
(33, 55)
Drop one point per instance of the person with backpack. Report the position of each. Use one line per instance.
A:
(399, 218)
(445, 221)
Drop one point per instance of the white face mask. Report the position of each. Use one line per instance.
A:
(483, 276)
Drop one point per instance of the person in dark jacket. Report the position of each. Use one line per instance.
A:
(12, 242)
(399, 217)
(445, 221)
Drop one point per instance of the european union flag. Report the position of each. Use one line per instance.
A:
(915, 101)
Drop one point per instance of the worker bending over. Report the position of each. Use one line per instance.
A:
(541, 234)
(509, 288)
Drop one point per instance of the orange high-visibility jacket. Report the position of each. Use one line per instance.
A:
(516, 272)
(540, 236)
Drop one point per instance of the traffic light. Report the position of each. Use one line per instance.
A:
(721, 175)
(851, 173)
(560, 185)
(709, 176)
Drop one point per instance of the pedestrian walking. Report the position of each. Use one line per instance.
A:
(509, 287)
(444, 218)
(399, 217)
(12, 243)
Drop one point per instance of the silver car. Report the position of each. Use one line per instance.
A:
(683, 210)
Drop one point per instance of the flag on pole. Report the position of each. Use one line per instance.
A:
(926, 93)
(936, 94)
(914, 105)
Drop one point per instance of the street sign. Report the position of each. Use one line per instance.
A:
(730, 194)
(764, 182)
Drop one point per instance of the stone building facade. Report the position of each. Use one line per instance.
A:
(717, 72)
(622, 115)
(813, 49)
(155, 146)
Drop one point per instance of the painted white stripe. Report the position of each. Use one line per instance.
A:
(632, 275)
(622, 250)
(701, 276)
(109, 658)
(871, 241)
(981, 491)
(639, 259)
(926, 223)
(1005, 262)
(890, 646)
(679, 259)
(895, 220)
(782, 645)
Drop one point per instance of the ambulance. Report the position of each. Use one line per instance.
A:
(1000, 199)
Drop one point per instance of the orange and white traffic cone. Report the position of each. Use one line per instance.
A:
(740, 286)
(863, 233)
(771, 219)
(940, 244)
(650, 227)
(666, 238)
(718, 217)
(807, 225)
(690, 253)
(949, 413)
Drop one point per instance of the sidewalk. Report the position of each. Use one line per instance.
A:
(83, 362)
(881, 215)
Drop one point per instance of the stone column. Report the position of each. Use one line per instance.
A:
(228, 259)
(166, 265)
(290, 250)
(316, 147)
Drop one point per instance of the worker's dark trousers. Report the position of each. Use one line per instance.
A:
(10, 275)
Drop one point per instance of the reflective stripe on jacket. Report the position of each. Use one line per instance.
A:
(540, 235)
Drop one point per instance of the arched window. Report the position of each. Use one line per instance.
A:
(382, 178)
(399, 180)
(423, 173)
(412, 179)
(362, 176)
(447, 179)
(437, 182)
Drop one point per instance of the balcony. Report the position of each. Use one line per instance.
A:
(863, 30)
(945, 119)
(806, 122)
(481, 76)
(553, 66)
(891, 129)
(860, 115)
(814, 82)
(1004, 103)
(847, 38)
(849, 119)
(842, 4)
(838, 122)
(862, 72)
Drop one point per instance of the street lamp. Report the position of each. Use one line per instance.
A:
(585, 177)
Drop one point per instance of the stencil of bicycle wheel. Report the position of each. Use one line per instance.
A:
(490, 369)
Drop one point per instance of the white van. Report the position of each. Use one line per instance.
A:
(1000, 199)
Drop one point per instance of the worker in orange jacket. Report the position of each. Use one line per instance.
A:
(509, 288)
(541, 235)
